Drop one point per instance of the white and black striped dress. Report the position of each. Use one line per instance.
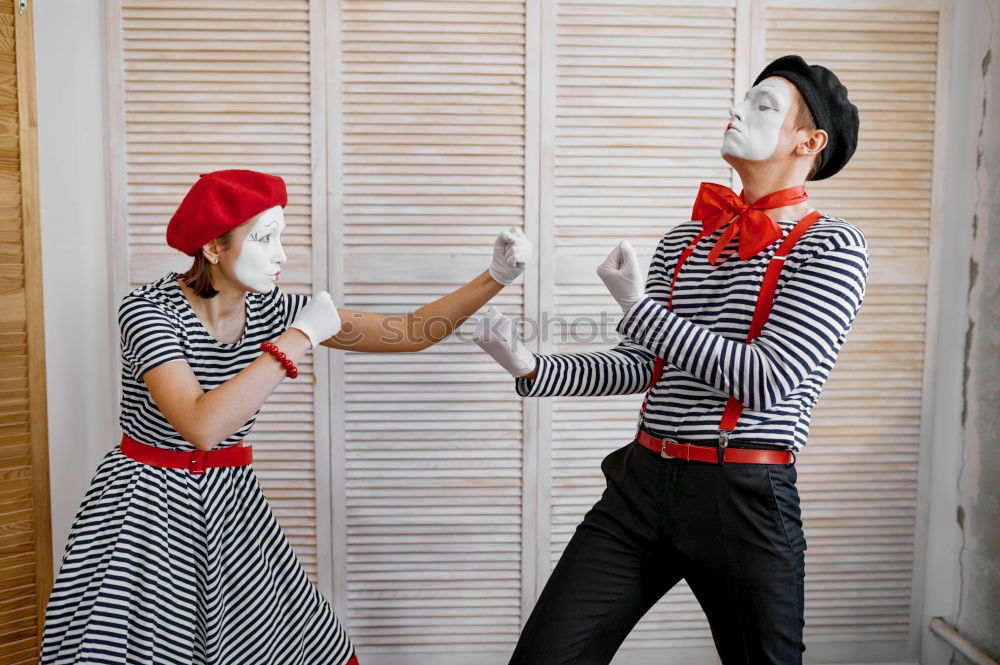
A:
(163, 566)
(778, 377)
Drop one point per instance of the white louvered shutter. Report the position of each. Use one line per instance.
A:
(858, 474)
(636, 114)
(431, 169)
(216, 84)
(438, 482)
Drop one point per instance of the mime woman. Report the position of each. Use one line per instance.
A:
(175, 555)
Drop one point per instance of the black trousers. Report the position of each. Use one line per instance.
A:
(733, 532)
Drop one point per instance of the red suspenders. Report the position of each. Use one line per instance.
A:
(762, 310)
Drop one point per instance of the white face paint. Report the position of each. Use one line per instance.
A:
(756, 121)
(261, 255)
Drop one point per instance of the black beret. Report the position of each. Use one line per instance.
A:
(826, 97)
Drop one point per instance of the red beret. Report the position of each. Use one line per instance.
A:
(219, 202)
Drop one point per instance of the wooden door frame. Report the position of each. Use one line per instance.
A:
(34, 307)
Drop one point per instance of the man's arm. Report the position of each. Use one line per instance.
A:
(625, 369)
(808, 321)
(622, 370)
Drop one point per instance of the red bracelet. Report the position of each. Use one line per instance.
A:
(290, 369)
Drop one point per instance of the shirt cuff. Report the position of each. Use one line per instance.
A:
(533, 387)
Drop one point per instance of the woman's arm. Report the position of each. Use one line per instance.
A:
(206, 418)
(380, 333)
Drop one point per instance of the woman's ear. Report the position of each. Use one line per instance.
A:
(210, 250)
(813, 143)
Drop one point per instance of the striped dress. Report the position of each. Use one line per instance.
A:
(777, 377)
(163, 566)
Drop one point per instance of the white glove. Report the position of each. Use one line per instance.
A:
(620, 272)
(511, 252)
(319, 319)
(496, 335)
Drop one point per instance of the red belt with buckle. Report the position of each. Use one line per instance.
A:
(671, 448)
(195, 461)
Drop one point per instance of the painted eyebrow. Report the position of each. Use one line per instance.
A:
(770, 96)
(757, 90)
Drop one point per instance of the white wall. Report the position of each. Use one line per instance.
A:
(80, 339)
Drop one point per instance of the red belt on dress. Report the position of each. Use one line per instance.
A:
(671, 448)
(195, 461)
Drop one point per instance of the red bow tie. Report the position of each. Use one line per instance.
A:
(717, 206)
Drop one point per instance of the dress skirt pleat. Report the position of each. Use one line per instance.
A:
(163, 566)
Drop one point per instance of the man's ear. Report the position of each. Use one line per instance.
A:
(812, 144)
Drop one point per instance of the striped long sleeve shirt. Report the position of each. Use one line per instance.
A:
(777, 377)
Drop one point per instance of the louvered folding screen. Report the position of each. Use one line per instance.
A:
(584, 121)
(433, 164)
(639, 97)
(25, 529)
(858, 475)
(216, 84)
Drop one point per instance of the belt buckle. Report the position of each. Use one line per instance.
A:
(663, 447)
(196, 462)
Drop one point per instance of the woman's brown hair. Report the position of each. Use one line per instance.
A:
(199, 275)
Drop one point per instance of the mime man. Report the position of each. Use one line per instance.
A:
(733, 333)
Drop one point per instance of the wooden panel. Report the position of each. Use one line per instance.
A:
(216, 85)
(433, 167)
(858, 475)
(25, 529)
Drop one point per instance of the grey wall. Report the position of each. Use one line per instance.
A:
(978, 513)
